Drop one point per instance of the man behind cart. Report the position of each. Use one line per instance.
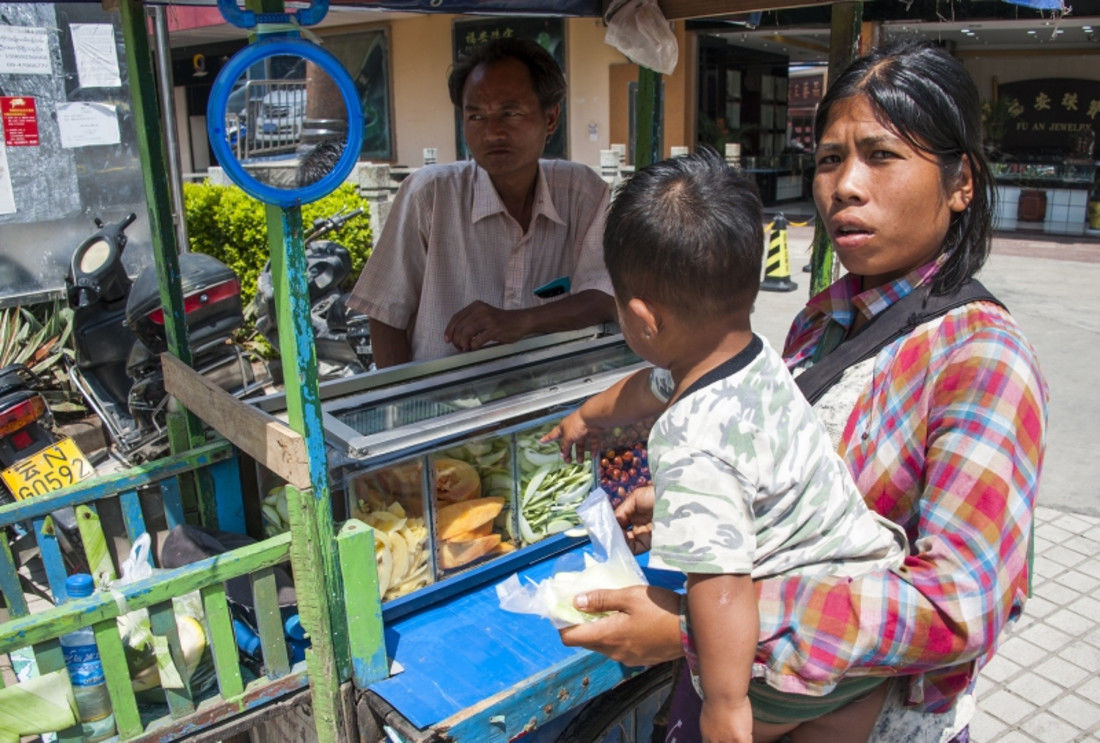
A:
(497, 248)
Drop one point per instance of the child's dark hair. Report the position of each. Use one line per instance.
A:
(546, 77)
(319, 161)
(925, 96)
(687, 233)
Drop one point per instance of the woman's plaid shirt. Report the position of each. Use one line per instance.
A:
(948, 443)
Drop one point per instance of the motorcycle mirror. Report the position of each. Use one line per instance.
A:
(285, 121)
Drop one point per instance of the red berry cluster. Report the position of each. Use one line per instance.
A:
(622, 469)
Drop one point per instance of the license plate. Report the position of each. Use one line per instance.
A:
(57, 466)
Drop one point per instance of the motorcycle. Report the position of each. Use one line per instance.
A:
(342, 335)
(33, 461)
(118, 332)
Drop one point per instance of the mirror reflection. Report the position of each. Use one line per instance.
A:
(285, 121)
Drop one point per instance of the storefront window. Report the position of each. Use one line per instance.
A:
(366, 56)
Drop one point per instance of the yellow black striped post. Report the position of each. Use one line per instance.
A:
(777, 268)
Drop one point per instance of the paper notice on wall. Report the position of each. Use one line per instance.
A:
(96, 55)
(83, 124)
(7, 196)
(24, 51)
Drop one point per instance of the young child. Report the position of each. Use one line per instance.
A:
(747, 482)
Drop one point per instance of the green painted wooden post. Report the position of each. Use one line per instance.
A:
(355, 543)
(313, 546)
(184, 429)
(223, 645)
(846, 20)
(117, 672)
(647, 118)
(269, 623)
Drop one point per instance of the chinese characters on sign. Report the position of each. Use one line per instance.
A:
(1052, 116)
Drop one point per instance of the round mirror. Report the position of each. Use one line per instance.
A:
(284, 121)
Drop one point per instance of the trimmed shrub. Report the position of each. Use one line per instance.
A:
(226, 223)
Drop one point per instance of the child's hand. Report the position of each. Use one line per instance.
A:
(574, 431)
(637, 511)
(726, 723)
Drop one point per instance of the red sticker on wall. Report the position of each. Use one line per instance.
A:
(20, 121)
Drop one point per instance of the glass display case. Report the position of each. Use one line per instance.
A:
(452, 472)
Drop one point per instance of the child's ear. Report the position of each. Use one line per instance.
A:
(648, 314)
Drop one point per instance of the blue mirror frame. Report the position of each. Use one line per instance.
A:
(219, 100)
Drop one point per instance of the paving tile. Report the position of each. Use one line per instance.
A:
(1022, 652)
(1056, 592)
(1081, 580)
(1074, 522)
(1038, 607)
(1090, 689)
(1087, 606)
(1087, 656)
(1013, 736)
(1049, 532)
(1047, 727)
(1045, 568)
(1000, 669)
(1046, 636)
(1034, 688)
(1045, 513)
(1062, 672)
(1007, 707)
(1070, 622)
(1081, 712)
(985, 686)
(1084, 543)
(985, 727)
(1064, 555)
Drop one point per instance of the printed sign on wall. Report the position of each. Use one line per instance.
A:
(19, 120)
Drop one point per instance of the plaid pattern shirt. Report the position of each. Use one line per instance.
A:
(947, 441)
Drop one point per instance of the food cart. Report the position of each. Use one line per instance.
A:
(409, 494)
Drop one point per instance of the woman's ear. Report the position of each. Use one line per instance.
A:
(648, 315)
(961, 191)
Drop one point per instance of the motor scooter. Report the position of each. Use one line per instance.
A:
(342, 335)
(118, 331)
(33, 461)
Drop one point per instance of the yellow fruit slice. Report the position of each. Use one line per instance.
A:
(385, 521)
(384, 557)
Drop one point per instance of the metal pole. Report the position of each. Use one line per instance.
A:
(164, 81)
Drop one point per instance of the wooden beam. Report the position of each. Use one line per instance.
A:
(264, 438)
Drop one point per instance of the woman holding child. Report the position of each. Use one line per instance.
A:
(942, 429)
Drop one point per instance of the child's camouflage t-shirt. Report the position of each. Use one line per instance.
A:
(748, 482)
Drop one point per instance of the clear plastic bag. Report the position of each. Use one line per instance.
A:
(610, 566)
(639, 29)
(147, 654)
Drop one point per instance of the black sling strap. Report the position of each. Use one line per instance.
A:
(900, 318)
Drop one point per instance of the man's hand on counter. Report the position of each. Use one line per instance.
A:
(479, 324)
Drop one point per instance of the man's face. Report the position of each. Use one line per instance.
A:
(504, 125)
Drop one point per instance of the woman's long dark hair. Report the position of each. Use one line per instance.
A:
(925, 96)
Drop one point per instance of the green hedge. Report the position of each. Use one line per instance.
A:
(226, 223)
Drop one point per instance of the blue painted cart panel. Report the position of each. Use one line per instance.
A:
(465, 649)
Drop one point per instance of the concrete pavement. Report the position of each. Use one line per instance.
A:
(1043, 686)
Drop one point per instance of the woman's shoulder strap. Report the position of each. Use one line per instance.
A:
(901, 318)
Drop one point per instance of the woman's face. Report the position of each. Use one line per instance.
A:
(885, 204)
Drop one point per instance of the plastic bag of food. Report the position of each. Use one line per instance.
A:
(638, 29)
(611, 565)
(147, 654)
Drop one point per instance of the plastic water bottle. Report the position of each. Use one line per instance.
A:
(97, 719)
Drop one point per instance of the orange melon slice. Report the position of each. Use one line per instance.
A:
(465, 516)
(457, 554)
